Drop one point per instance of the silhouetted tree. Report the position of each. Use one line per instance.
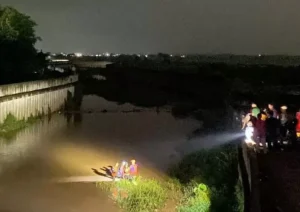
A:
(18, 55)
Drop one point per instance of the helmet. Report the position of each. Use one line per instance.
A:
(283, 107)
(253, 105)
(255, 111)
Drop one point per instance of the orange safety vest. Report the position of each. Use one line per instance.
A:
(133, 170)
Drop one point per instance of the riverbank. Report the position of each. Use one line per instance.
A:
(279, 180)
(206, 180)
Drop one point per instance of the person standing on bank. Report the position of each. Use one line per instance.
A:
(260, 132)
(272, 130)
(283, 117)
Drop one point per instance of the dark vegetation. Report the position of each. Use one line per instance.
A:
(19, 60)
(11, 125)
(206, 92)
(195, 184)
(193, 86)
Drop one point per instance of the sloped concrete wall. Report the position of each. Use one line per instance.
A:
(37, 97)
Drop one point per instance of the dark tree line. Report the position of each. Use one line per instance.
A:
(19, 60)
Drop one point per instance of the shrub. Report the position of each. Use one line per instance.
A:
(196, 199)
(145, 195)
(239, 193)
(216, 168)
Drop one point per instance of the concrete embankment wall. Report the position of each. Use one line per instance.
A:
(249, 174)
(37, 97)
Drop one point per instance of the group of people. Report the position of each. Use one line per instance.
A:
(269, 128)
(125, 171)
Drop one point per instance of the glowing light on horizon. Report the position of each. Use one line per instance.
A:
(60, 60)
(78, 54)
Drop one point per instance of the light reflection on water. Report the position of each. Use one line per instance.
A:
(58, 149)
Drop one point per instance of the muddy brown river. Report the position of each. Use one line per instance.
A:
(79, 146)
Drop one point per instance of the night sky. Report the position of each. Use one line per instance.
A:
(173, 26)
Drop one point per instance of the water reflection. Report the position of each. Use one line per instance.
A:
(29, 140)
(85, 140)
(137, 134)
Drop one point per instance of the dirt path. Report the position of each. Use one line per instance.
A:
(280, 181)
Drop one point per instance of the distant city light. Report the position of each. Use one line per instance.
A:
(139, 55)
(107, 54)
(259, 55)
(78, 54)
(60, 60)
(183, 56)
(146, 55)
(171, 55)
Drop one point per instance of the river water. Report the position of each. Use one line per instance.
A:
(80, 145)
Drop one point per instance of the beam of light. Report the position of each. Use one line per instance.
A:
(84, 179)
(209, 141)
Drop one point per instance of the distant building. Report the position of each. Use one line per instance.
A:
(60, 65)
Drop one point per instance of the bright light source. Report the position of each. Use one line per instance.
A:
(107, 54)
(259, 55)
(146, 55)
(78, 54)
(249, 135)
(171, 55)
(250, 141)
(60, 60)
(183, 56)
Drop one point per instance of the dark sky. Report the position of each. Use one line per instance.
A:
(174, 26)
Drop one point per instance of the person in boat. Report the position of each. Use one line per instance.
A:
(122, 170)
(114, 170)
(133, 169)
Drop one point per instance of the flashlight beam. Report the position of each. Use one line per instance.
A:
(84, 179)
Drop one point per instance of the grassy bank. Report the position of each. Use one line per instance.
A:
(11, 125)
(204, 181)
